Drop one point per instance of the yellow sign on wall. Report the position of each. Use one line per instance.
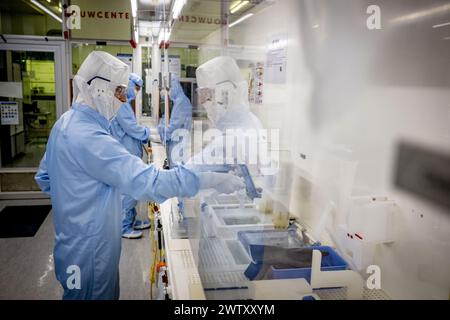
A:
(103, 20)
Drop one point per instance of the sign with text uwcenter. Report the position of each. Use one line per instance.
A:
(103, 20)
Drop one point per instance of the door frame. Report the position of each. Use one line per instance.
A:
(58, 46)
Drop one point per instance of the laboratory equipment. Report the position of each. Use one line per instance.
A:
(335, 278)
(278, 238)
(371, 222)
(280, 289)
(240, 170)
(330, 261)
(225, 222)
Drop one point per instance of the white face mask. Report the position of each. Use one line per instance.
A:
(103, 100)
(116, 106)
(214, 111)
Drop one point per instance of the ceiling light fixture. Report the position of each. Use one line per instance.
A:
(238, 6)
(177, 7)
(46, 10)
(133, 8)
(441, 25)
(234, 5)
(240, 20)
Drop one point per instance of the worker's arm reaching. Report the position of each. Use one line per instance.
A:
(107, 160)
(118, 168)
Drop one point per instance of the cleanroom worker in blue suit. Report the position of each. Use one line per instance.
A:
(132, 136)
(180, 118)
(85, 170)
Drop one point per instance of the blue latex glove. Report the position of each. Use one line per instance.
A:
(221, 182)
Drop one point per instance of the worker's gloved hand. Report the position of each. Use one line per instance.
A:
(176, 90)
(136, 80)
(221, 182)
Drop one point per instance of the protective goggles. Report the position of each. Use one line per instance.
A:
(118, 89)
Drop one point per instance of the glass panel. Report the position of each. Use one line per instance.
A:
(345, 100)
(42, 18)
(188, 58)
(146, 93)
(23, 144)
(81, 50)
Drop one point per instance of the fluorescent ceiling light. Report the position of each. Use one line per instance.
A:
(133, 8)
(235, 4)
(441, 25)
(240, 20)
(238, 6)
(50, 13)
(422, 14)
(177, 7)
(136, 35)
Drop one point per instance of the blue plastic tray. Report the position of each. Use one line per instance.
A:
(331, 262)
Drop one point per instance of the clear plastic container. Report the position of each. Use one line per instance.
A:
(226, 222)
(278, 238)
(228, 200)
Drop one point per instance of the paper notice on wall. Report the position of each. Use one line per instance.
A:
(174, 64)
(11, 89)
(256, 83)
(9, 113)
(276, 57)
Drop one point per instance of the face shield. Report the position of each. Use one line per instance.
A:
(101, 82)
(216, 100)
(136, 90)
(221, 87)
(106, 96)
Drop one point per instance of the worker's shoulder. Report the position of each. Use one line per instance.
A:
(80, 128)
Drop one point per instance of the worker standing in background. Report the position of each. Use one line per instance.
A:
(223, 93)
(132, 136)
(85, 170)
(180, 118)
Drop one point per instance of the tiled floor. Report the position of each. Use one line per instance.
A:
(26, 267)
